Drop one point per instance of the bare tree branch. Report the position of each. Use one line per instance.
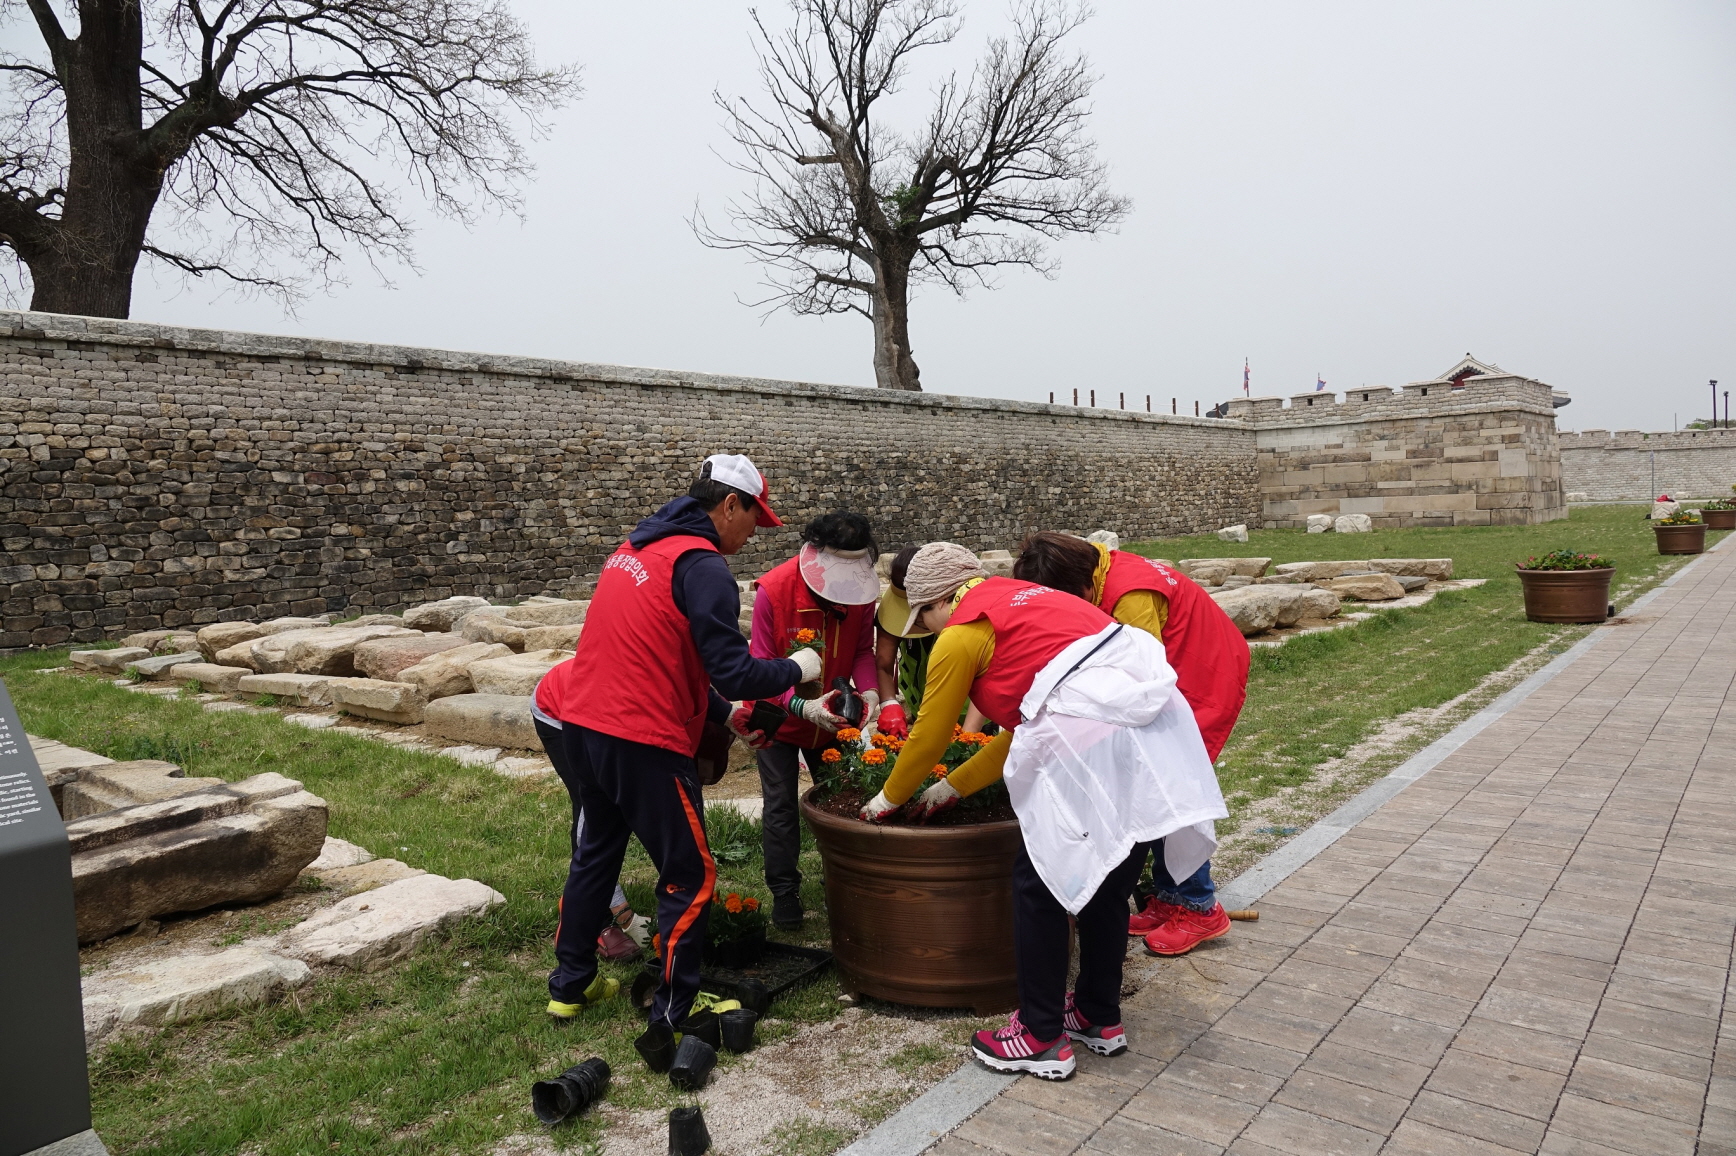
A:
(847, 214)
(277, 133)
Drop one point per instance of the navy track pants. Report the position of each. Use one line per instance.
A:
(628, 788)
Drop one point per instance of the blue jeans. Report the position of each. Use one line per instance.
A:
(1196, 893)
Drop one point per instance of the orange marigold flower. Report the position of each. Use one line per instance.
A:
(940, 771)
(849, 735)
(882, 740)
(874, 758)
(806, 635)
(831, 756)
(732, 904)
(750, 903)
(957, 730)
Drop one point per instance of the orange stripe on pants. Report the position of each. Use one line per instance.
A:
(707, 888)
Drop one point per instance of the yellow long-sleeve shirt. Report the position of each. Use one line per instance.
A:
(960, 654)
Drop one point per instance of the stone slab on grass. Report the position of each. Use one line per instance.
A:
(515, 674)
(549, 612)
(1320, 571)
(384, 658)
(221, 636)
(1366, 587)
(158, 666)
(1352, 524)
(448, 672)
(108, 661)
(1248, 567)
(438, 617)
(490, 626)
(484, 720)
(1259, 608)
(53, 756)
(471, 756)
(330, 651)
(218, 679)
(298, 689)
(162, 991)
(1434, 569)
(359, 877)
(370, 930)
(553, 637)
(337, 853)
(398, 702)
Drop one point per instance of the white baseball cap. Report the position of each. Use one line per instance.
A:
(738, 470)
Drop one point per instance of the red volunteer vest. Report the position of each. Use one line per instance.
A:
(1032, 625)
(636, 674)
(794, 607)
(1209, 654)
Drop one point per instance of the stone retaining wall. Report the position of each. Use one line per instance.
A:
(1618, 467)
(159, 477)
(1432, 454)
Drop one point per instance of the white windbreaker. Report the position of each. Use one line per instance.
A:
(1109, 756)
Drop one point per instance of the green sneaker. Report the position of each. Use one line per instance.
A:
(600, 990)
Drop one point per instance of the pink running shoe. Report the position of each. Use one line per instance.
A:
(1105, 1041)
(1014, 1049)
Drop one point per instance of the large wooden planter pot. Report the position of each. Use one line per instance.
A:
(921, 915)
(1681, 539)
(1719, 519)
(1566, 595)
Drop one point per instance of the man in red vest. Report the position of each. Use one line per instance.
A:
(828, 588)
(661, 640)
(1084, 797)
(1210, 658)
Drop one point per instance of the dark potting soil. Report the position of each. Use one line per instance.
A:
(847, 803)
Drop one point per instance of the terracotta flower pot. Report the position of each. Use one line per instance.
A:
(1719, 519)
(1681, 539)
(1566, 595)
(921, 915)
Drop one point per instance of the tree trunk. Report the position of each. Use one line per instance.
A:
(894, 368)
(85, 263)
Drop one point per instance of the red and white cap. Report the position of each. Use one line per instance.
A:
(738, 470)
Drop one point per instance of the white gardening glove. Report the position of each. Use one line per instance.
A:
(936, 799)
(877, 809)
(814, 710)
(810, 662)
(870, 714)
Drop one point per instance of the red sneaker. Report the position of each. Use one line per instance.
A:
(615, 946)
(1105, 1041)
(1187, 930)
(1013, 1049)
(1156, 914)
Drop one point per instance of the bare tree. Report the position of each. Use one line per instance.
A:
(270, 128)
(849, 214)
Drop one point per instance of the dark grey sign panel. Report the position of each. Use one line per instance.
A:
(44, 1088)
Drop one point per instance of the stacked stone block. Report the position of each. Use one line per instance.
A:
(1631, 466)
(1484, 453)
(160, 477)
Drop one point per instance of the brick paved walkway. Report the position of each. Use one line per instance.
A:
(1527, 950)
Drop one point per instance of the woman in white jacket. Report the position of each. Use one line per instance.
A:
(1100, 754)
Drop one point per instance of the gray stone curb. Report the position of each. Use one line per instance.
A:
(922, 1123)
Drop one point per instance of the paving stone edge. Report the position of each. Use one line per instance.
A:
(926, 1120)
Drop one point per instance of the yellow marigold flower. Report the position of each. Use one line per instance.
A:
(874, 758)
(831, 756)
(849, 735)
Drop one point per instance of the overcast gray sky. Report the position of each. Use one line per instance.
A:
(1360, 190)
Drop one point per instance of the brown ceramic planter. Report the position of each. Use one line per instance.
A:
(921, 915)
(1681, 539)
(1719, 519)
(1566, 595)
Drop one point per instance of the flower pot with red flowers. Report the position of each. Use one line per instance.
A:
(1719, 515)
(920, 914)
(1564, 586)
(1681, 533)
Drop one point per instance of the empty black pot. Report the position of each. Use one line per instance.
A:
(656, 1047)
(687, 1133)
(694, 1059)
(738, 1029)
(850, 706)
(571, 1092)
(704, 1025)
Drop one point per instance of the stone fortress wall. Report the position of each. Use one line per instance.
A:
(1476, 452)
(157, 477)
(1619, 466)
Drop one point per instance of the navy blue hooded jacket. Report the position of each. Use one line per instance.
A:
(705, 591)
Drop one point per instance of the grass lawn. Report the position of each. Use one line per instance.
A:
(1314, 699)
(437, 1055)
(433, 1056)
